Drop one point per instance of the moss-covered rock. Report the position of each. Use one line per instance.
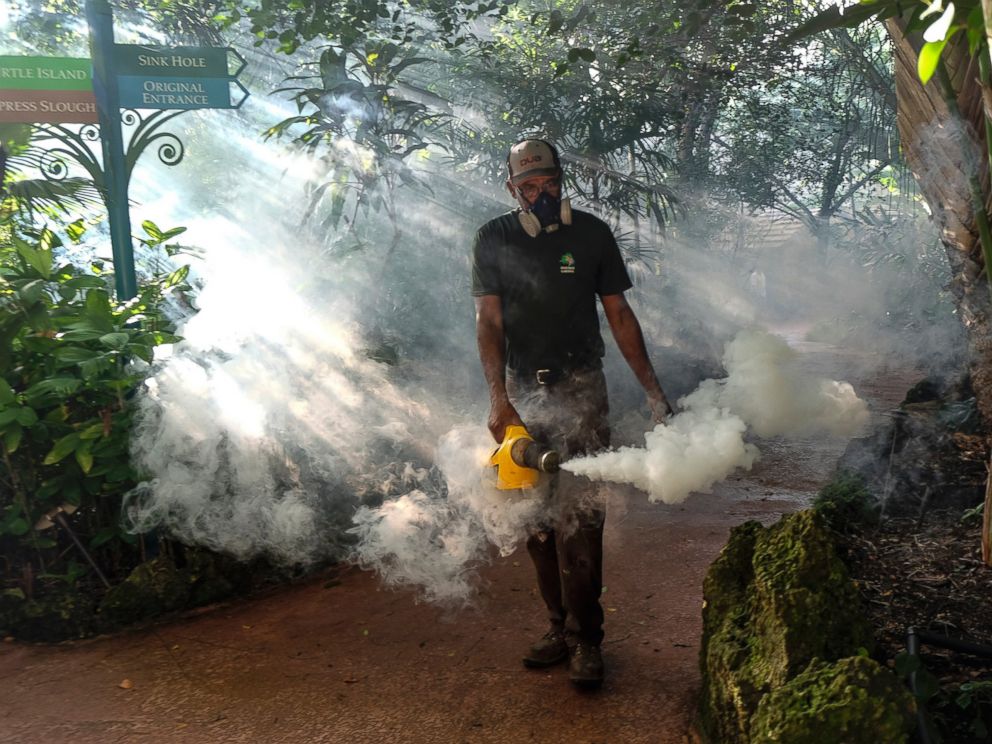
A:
(152, 588)
(727, 699)
(853, 700)
(56, 616)
(774, 600)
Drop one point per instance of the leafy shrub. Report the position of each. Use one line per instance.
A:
(70, 360)
(846, 501)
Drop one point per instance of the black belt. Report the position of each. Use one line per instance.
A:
(549, 376)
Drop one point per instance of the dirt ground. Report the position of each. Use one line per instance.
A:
(337, 659)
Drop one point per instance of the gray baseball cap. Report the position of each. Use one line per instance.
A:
(532, 157)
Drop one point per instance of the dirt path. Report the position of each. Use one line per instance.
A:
(336, 659)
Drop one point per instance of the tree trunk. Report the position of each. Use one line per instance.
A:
(942, 154)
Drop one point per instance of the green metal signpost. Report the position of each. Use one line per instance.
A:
(52, 91)
(98, 15)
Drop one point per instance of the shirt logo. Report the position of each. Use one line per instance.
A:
(567, 263)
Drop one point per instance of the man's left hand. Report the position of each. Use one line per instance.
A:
(661, 411)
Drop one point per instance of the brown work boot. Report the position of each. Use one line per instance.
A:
(586, 666)
(548, 651)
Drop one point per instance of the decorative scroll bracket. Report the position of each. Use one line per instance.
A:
(80, 146)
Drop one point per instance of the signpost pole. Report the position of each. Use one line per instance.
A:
(98, 15)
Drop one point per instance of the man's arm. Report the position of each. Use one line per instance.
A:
(492, 353)
(630, 340)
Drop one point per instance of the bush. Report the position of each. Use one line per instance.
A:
(70, 360)
(846, 501)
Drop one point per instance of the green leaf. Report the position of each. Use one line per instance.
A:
(587, 55)
(84, 282)
(17, 526)
(166, 338)
(976, 29)
(926, 65)
(8, 416)
(26, 416)
(177, 276)
(115, 340)
(12, 439)
(62, 448)
(94, 367)
(104, 535)
(7, 396)
(49, 488)
(74, 354)
(49, 240)
(98, 310)
(32, 292)
(93, 431)
(82, 334)
(152, 230)
(169, 234)
(833, 17)
(59, 386)
(75, 230)
(39, 260)
(84, 456)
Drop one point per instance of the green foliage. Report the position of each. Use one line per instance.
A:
(846, 501)
(53, 27)
(938, 23)
(20, 153)
(945, 705)
(353, 22)
(70, 359)
(976, 699)
(360, 128)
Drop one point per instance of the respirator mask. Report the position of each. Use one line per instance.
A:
(540, 210)
(547, 212)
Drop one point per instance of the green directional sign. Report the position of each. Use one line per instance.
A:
(45, 73)
(135, 60)
(46, 90)
(177, 93)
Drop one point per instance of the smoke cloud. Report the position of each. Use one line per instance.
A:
(434, 536)
(765, 389)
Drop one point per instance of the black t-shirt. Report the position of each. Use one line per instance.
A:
(548, 286)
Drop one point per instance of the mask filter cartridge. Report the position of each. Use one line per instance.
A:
(548, 217)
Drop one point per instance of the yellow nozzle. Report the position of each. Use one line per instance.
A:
(509, 475)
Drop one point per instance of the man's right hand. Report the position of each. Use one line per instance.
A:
(501, 415)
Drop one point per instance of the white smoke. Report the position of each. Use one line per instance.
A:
(262, 431)
(765, 389)
(433, 537)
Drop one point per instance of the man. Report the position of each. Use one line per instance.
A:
(537, 271)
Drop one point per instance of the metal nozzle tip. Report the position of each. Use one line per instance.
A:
(550, 462)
